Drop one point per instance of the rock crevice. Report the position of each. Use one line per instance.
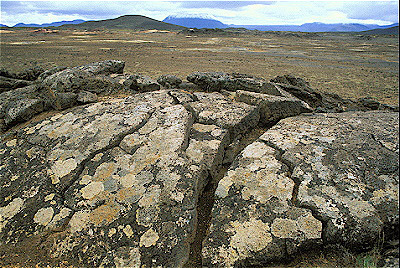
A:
(137, 181)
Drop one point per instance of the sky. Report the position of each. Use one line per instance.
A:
(228, 12)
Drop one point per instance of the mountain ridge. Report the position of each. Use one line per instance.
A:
(137, 22)
(52, 24)
(180, 21)
(195, 22)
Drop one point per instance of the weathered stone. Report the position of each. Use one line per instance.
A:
(215, 109)
(30, 74)
(118, 183)
(189, 86)
(253, 219)
(7, 83)
(141, 83)
(120, 179)
(273, 108)
(60, 88)
(347, 168)
(325, 102)
(9, 97)
(52, 71)
(2, 125)
(182, 97)
(64, 100)
(169, 81)
(86, 97)
(217, 81)
(106, 67)
(74, 80)
(22, 110)
(369, 103)
(5, 73)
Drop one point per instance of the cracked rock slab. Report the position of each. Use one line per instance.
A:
(216, 109)
(253, 219)
(217, 81)
(114, 183)
(273, 108)
(310, 179)
(347, 166)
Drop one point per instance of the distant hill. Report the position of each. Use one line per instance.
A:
(194, 21)
(53, 24)
(316, 27)
(3, 25)
(392, 30)
(136, 22)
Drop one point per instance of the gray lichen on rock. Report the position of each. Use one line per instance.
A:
(116, 181)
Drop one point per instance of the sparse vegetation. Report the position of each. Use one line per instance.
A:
(350, 65)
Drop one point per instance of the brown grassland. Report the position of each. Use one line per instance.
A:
(351, 65)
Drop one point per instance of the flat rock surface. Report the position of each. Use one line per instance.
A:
(129, 181)
(324, 178)
(114, 183)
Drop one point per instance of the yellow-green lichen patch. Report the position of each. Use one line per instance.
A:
(149, 238)
(249, 236)
(44, 216)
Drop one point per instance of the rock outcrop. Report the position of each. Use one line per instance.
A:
(309, 180)
(117, 181)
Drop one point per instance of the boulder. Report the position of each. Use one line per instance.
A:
(30, 74)
(11, 100)
(106, 67)
(273, 108)
(217, 81)
(310, 180)
(326, 102)
(22, 110)
(185, 85)
(216, 109)
(62, 85)
(74, 80)
(49, 72)
(5, 73)
(169, 81)
(141, 83)
(7, 83)
(64, 100)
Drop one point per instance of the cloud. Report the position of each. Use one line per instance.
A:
(387, 11)
(229, 12)
(48, 11)
(221, 4)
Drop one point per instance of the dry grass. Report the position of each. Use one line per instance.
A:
(349, 65)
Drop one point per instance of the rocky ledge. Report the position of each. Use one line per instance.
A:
(91, 178)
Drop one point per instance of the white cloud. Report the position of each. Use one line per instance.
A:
(231, 12)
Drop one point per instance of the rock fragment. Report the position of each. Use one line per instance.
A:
(215, 109)
(23, 110)
(217, 81)
(169, 81)
(273, 108)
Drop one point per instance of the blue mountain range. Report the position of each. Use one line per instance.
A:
(53, 24)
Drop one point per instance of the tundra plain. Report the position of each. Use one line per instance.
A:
(352, 65)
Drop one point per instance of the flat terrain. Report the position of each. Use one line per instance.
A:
(351, 65)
